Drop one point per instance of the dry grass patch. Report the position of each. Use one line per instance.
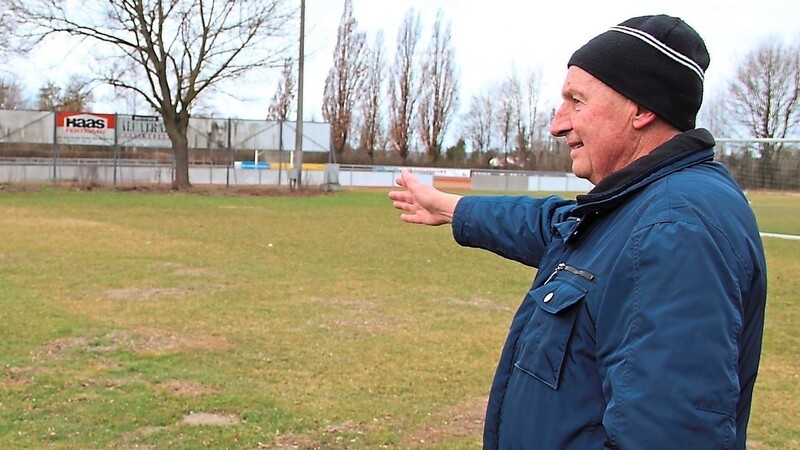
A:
(340, 437)
(143, 294)
(155, 343)
(480, 303)
(16, 378)
(295, 442)
(58, 348)
(464, 419)
(185, 388)
(178, 269)
(350, 304)
(362, 316)
(150, 343)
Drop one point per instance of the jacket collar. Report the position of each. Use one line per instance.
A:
(684, 150)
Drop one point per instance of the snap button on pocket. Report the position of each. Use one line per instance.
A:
(543, 341)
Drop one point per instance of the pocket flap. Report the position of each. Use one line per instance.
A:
(557, 296)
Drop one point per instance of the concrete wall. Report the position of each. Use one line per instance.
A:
(103, 172)
(549, 182)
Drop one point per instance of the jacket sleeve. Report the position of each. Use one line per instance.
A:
(667, 334)
(514, 227)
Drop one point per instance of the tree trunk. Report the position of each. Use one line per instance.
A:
(181, 148)
(177, 127)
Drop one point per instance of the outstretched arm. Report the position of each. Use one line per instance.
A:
(422, 203)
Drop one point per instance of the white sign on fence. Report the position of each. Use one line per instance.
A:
(142, 131)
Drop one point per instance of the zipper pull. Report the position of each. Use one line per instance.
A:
(559, 267)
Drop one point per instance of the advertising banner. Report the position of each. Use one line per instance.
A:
(81, 128)
(142, 131)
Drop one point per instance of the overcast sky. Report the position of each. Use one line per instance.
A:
(491, 37)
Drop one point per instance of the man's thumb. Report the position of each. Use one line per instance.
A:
(408, 179)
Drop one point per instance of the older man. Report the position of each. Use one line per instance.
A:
(642, 328)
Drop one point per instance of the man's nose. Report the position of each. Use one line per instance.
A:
(560, 125)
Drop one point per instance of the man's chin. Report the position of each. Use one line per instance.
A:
(579, 171)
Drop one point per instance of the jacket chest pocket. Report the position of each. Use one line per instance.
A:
(543, 341)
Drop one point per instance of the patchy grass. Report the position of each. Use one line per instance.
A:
(276, 321)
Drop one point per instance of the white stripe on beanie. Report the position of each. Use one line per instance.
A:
(663, 48)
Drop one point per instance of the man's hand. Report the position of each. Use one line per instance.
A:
(423, 204)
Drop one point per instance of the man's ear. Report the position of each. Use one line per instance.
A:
(643, 117)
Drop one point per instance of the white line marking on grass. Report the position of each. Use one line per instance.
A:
(793, 237)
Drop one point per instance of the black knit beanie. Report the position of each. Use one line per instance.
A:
(657, 61)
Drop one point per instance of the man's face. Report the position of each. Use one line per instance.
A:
(597, 123)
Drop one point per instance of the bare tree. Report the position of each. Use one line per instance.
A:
(765, 99)
(283, 100)
(74, 97)
(714, 114)
(49, 97)
(519, 130)
(535, 121)
(77, 94)
(512, 112)
(404, 85)
(530, 120)
(478, 122)
(344, 79)
(507, 115)
(439, 96)
(169, 52)
(11, 94)
(370, 104)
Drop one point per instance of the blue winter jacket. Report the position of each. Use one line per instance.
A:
(642, 329)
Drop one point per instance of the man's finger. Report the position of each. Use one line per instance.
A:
(412, 218)
(408, 179)
(405, 206)
(402, 196)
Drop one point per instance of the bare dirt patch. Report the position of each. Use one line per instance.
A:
(178, 269)
(14, 188)
(155, 343)
(16, 378)
(361, 326)
(294, 442)
(340, 434)
(462, 420)
(128, 440)
(184, 388)
(352, 304)
(58, 348)
(167, 189)
(481, 303)
(465, 419)
(219, 190)
(360, 316)
(143, 294)
(200, 418)
(143, 342)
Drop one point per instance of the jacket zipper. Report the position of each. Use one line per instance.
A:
(573, 270)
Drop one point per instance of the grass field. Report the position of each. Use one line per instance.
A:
(136, 320)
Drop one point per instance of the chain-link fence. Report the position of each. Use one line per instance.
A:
(771, 164)
(80, 135)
